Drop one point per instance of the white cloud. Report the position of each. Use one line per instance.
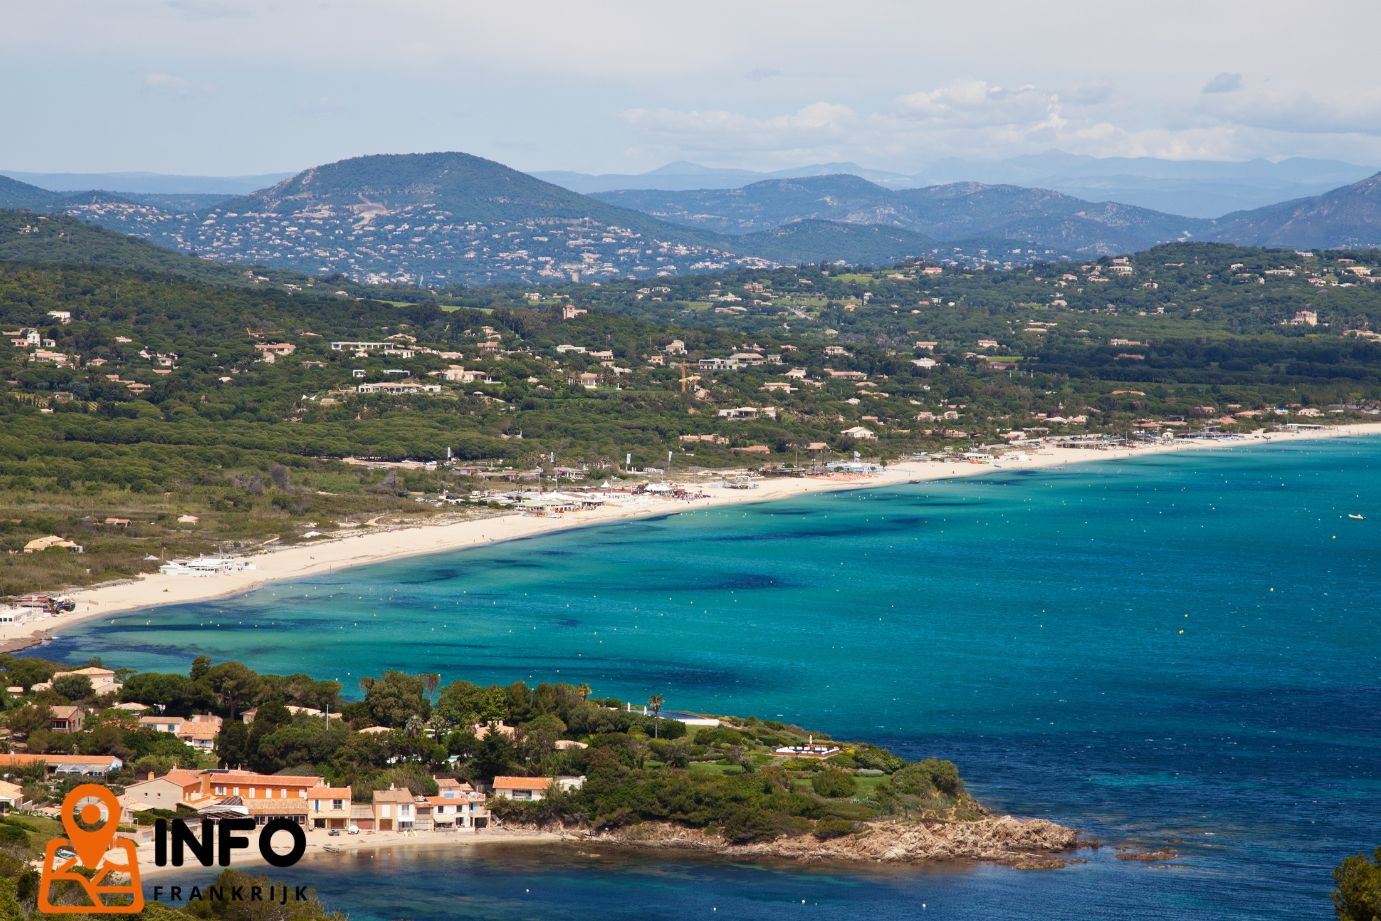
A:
(1223, 83)
(547, 83)
(170, 82)
(977, 103)
(1293, 111)
(816, 125)
(968, 117)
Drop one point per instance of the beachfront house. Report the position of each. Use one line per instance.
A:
(521, 788)
(262, 796)
(458, 806)
(533, 788)
(328, 807)
(394, 810)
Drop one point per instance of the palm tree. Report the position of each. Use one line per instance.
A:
(655, 703)
(583, 690)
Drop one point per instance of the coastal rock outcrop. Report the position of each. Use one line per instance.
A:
(1023, 843)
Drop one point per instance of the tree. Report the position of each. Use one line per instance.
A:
(30, 719)
(539, 737)
(232, 744)
(1358, 896)
(234, 685)
(26, 672)
(170, 693)
(655, 702)
(464, 704)
(200, 666)
(73, 688)
(395, 697)
(494, 755)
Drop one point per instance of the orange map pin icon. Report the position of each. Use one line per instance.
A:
(82, 807)
(91, 818)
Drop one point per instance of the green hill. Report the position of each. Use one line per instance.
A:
(831, 241)
(52, 239)
(16, 194)
(469, 188)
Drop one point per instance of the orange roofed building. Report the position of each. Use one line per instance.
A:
(85, 765)
(328, 807)
(533, 788)
(258, 796)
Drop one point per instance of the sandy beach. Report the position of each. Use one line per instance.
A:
(359, 548)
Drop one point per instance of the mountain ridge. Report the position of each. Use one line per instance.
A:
(448, 217)
(956, 211)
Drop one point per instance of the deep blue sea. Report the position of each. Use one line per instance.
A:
(1178, 649)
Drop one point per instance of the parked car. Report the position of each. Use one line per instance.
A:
(334, 833)
(353, 829)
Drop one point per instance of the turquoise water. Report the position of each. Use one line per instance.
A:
(1026, 625)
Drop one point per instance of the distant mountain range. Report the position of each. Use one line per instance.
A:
(148, 183)
(448, 218)
(959, 211)
(683, 176)
(1196, 188)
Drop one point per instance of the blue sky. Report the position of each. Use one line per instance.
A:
(249, 86)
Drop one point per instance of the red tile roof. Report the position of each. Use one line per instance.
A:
(521, 783)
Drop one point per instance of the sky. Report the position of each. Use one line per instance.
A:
(236, 87)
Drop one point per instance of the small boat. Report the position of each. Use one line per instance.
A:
(1357, 517)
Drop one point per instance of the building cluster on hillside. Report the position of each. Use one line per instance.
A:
(230, 792)
(415, 245)
(310, 801)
